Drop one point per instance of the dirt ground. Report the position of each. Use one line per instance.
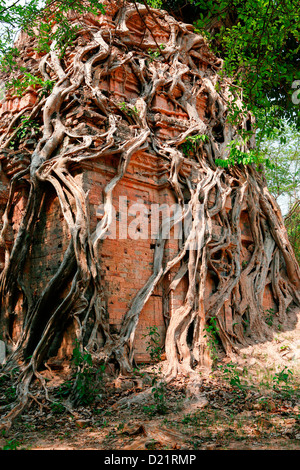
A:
(251, 402)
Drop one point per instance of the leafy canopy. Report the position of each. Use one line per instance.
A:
(259, 41)
(46, 20)
(284, 174)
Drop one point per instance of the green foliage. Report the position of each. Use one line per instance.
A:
(28, 127)
(11, 394)
(83, 385)
(47, 21)
(63, 390)
(282, 147)
(153, 343)
(282, 384)
(269, 319)
(233, 376)
(191, 143)
(159, 392)
(237, 156)
(292, 223)
(259, 42)
(155, 3)
(66, 32)
(57, 408)
(8, 58)
(284, 376)
(128, 109)
(11, 444)
(19, 85)
(200, 419)
(81, 359)
(159, 395)
(9, 390)
(157, 53)
(212, 336)
(86, 382)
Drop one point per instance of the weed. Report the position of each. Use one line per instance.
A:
(246, 324)
(64, 390)
(149, 409)
(155, 3)
(238, 157)
(201, 419)
(212, 331)
(270, 316)
(151, 445)
(265, 404)
(128, 109)
(47, 87)
(9, 393)
(157, 53)
(87, 382)
(28, 127)
(57, 408)
(105, 423)
(11, 444)
(232, 375)
(159, 394)
(266, 378)
(283, 376)
(191, 143)
(281, 383)
(21, 84)
(158, 384)
(153, 342)
(159, 391)
(190, 419)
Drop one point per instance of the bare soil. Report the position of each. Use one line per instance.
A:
(250, 402)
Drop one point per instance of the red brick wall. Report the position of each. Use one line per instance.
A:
(126, 263)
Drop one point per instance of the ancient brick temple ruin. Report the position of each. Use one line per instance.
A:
(126, 262)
